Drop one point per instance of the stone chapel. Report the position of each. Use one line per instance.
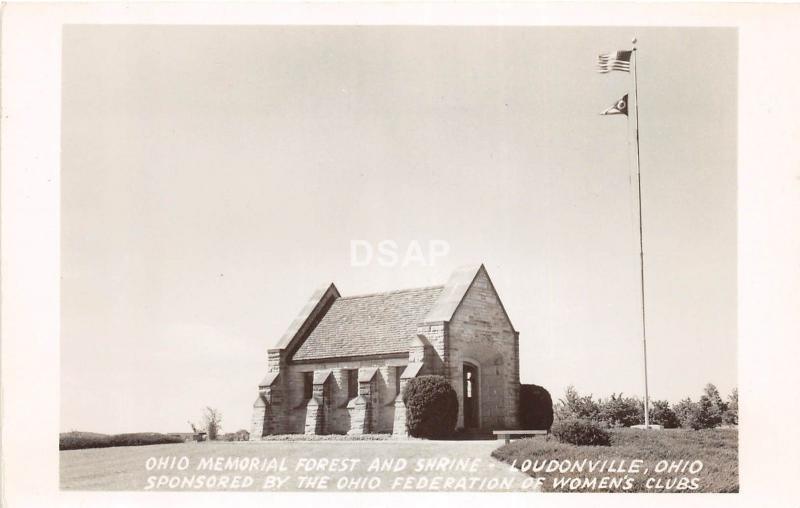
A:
(341, 366)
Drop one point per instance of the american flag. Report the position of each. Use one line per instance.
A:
(619, 61)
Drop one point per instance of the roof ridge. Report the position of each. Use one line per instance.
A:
(391, 292)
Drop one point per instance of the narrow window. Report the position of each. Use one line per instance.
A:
(308, 385)
(352, 384)
(469, 385)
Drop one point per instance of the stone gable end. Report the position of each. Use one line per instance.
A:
(481, 334)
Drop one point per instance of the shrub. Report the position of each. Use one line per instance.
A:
(662, 414)
(684, 410)
(731, 415)
(581, 432)
(619, 411)
(704, 415)
(535, 408)
(574, 405)
(431, 407)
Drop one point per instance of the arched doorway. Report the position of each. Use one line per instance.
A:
(471, 393)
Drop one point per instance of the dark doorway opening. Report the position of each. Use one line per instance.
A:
(471, 397)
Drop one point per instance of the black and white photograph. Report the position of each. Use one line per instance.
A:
(394, 257)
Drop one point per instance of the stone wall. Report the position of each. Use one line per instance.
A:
(436, 351)
(481, 334)
(261, 412)
(382, 394)
(318, 407)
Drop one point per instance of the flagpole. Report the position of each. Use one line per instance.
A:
(641, 240)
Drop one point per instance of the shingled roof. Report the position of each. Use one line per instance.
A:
(376, 324)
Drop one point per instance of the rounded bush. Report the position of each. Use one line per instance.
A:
(535, 408)
(619, 411)
(431, 407)
(581, 432)
(662, 414)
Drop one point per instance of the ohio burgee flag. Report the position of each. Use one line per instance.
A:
(619, 108)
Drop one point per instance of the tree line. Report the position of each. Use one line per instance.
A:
(709, 411)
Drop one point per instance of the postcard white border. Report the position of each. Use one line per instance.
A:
(768, 218)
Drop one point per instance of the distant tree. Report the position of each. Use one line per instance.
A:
(731, 415)
(662, 414)
(704, 415)
(684, 410)
(619, 411)
(718, 406)
(573, 405)
(213, 422)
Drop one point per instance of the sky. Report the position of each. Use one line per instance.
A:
(213, 177)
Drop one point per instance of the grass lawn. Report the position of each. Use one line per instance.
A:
(125, 468)
(717, 449)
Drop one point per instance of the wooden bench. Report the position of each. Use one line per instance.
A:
(507, 434)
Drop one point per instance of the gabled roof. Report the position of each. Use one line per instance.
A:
(376, 324)
(268, 379)
(313, 309)
(331, 326)
(454, 291)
